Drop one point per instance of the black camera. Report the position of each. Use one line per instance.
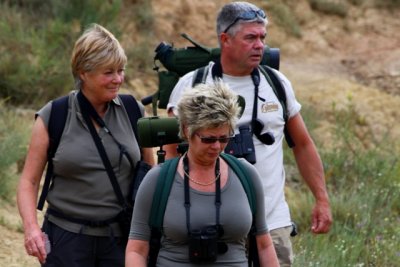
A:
(241, 145)
(204, 245)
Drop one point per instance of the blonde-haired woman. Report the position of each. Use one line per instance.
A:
(80, 221)
(207, 116)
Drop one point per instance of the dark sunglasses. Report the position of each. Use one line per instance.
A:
(212, 140)
(248, 15)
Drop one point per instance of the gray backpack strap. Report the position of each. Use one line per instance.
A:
(200, 75)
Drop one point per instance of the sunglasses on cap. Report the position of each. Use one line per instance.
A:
(248, 15)
(212, 140)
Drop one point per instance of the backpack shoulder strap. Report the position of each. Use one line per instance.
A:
(58, 117)
(242, 173)
(161, 194)
(200, 75)
(160, 198)
(280, 93)
(133, 110)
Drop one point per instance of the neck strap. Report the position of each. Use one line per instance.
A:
(88, 111)
(255, 77)
(187, 195)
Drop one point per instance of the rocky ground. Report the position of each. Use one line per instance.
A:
(335, 60)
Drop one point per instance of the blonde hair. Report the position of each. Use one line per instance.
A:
(207, 106)
(96, 48)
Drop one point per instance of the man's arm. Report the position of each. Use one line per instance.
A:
(147, 152)
(171, 149)
(312, 171)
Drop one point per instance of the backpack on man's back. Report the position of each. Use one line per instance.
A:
(179, 61)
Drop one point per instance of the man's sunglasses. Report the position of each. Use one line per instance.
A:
(248, 15)
(212, 140)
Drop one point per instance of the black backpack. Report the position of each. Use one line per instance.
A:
(160, 198)
(58, 117)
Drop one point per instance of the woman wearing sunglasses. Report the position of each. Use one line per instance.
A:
(207, 117)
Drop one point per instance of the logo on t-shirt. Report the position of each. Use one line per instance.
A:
(269, 107)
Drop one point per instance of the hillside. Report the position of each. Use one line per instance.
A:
(336, 59)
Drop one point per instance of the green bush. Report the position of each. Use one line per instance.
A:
(13, 146)
(387, 3)
(35, 54)
(41, 71)
(286, 19)
(329, 7)
(364, 185)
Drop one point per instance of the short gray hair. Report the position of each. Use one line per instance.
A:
(230, 12)
(96, 47)
(207, 106)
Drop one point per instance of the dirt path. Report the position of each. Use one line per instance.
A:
(12, 251)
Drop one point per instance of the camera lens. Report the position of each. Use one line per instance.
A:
(210, 232)
(161, 50)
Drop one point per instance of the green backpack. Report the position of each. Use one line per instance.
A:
(160, 199)
(179, 61)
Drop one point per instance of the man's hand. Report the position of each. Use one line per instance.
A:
(321, 218)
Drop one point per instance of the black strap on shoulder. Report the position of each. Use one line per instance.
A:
(279, 91)
(133, 110)
(200, 75)
(58, 116)
(88, 112)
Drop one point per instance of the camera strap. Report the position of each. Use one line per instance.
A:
(187, 195)
(89, 112)
(87, 108)
(256, 125)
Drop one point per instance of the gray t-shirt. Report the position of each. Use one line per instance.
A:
(82, 188)
(235, 218)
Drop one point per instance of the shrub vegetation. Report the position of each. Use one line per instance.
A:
(364, 185)
(35, 53)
